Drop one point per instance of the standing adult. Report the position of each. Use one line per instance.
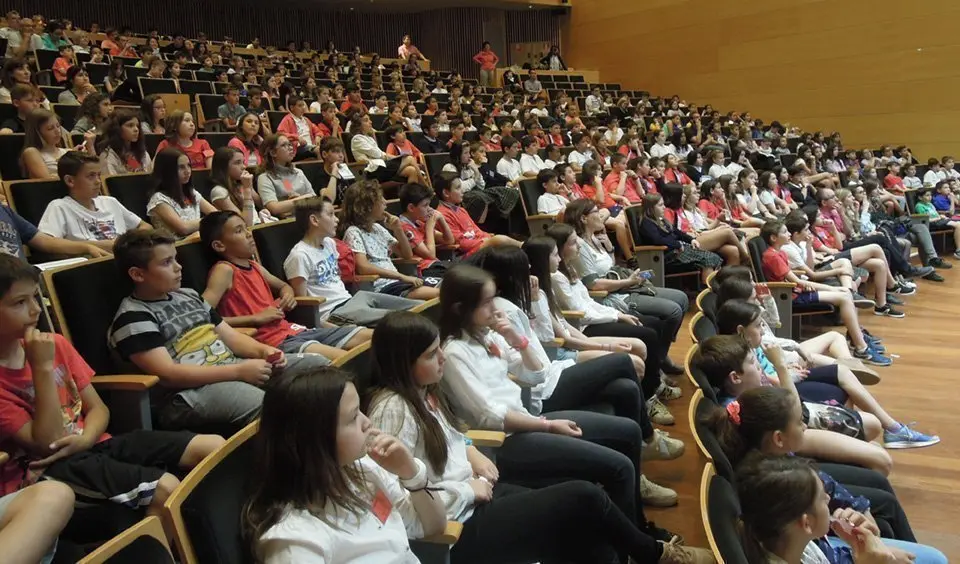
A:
(553, 61)
(487, 60)
(407, 48)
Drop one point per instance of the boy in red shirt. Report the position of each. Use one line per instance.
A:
(242, 291)
(63, 63)
(399, 144)
(424, 226)
(622, 185)
(776, 268)
(471, 238)
(53, 422)
(892, 181)
(353, 99)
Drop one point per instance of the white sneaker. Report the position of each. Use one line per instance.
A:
(658, 412)
(656, 495)
(666, 392)
(661, 446)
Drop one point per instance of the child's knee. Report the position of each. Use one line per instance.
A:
(199, 448)
(165, 487)
(56, 498)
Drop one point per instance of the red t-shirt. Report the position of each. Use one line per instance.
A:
(670, 216)
(648, 184)
(825, 236)
(894, 184)
(677, 176)
(347, 104)
(415, 232)
(464, 229)
(557, 139)
(347, 261)
(72, 374)
(407, 148)
(251, 294)
(783, 194)
(712, 210)
(776, 266)
(198, 152)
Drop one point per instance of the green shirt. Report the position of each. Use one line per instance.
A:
(927, 209)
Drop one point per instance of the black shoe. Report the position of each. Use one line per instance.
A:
(938, 262)
(662, 535)
(632, 263)
(892, 299)
(920, 272)
(934, 277)
(670, 368)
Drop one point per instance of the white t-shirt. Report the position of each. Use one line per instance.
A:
(188, 213)
(376, 244)
(301, 538)
(510, 168)
(578, 158)
(593, 261)
(796, 254)
(303, 129)
(67, 219)
(551, 203)
(319, 267)
(659, 150)
(531, 163)
(221, 193)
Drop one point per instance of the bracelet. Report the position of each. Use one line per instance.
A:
(523, 344)
(419, 480)
(546, 424)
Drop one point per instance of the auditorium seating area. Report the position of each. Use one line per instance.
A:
(200, 522)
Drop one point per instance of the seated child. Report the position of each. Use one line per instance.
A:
(551, 202)
(313, 269)
(730, 366)
(243, 292)
(25, 99)
(776, 268)
(231, 111)
(910, 178)
(363, 209)
(175, 206)
(530, 161)
(213, 373)
(821, 384)
(424, 226)
(85, 215)
(399, 144)
(54, 422)
(15, 232)
(448, 189)
(926, 207)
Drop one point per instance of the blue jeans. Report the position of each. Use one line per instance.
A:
(925, 554)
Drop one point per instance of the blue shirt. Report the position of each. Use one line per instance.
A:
(15, 232)
(941, 202)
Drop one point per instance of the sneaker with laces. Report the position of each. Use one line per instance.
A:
(956, 254)
(658, 412)
(676, 554)
(861, 301)
(903, 290)
(661, 446)
(904, 281)
(888, 311)
(872, 356)
(906, 437)
(892, 299)
(938, 262)
(661, 534)
(666, 392)
(656, 495)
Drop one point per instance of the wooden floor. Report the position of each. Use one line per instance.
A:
(921, 386)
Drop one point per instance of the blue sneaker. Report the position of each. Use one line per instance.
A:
(877, 346)
(906, 437)
(872, 356)
(870, 337)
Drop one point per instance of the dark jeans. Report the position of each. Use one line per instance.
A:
(609, 379)
(650, 337)
(884, 505)
(898, 264)
(608, 453)
(570, 522)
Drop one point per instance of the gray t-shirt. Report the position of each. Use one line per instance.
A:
(282, 184)
(183, 323)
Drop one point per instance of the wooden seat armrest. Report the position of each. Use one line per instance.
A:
(406, 261)
(556, 342)
(574, 314)
(649, 248)
(542, 217)
(126, 382)
(598, 293)
(248, 331)
(309, 300)
(780, 285)
(486, 438)
(363, 278)
(449, 536)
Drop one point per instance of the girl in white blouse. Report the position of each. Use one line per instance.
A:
(502, 522)
(331, 488)
(482, 350)
(174, 205)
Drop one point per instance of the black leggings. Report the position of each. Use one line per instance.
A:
(884, 505)
(650, 337)
(609, 379)
(570, 522)
(608, 453)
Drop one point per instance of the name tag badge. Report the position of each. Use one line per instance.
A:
(287, 185)
(382, 506)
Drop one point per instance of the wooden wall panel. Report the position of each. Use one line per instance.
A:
(449, 36)
(875, 70)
